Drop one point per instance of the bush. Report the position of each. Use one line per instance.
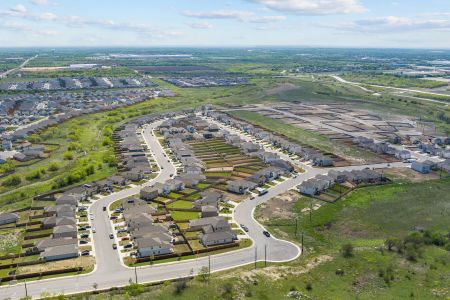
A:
(180, 286)
(68, 155)
(12, 180)
(54, 166)
(134, 289)
(347, 250)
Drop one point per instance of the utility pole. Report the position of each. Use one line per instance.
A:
(310, 211)
(256, 251)
(265, 255)
(26, 290)
(209, 265)
(135, 274)
(302, 241)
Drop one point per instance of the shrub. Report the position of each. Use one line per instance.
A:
(347, 250)
(54, 166)
(180, 286)
(12, 180)
(68, 155)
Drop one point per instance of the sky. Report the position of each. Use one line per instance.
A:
(227, 23)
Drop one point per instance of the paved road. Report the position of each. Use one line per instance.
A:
(6, 73)
(110, 272)
(358, 84)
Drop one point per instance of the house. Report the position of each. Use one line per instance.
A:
(240, 186)
(149, 193)
(53, 221)
(208, 224)
(193, 170)
(65, 231)
(322, 161)
(51, 242)
(64, 210)
(309, 187)
(118, 180)
(249, 147)
(67, 200)
(134, 219)
(339, 177)
(134, 175)
(402, 154)
(208, 198)
(6, 144)
(268, 157)
(154, 244)
(282, 164)
(423, 167)
(105, 186)
(209, 211)
(174, 185)
(60, 252)
(218, 238)
(8, 218)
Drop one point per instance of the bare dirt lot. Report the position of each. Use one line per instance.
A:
(87, 262)
(407, 173)
(280, 206)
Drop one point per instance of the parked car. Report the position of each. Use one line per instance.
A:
(128, 246)
(85, 253)
(111, 236)
(83, 242)
(92, 218)
(114, 246)
(125, 238)
(245, 228)
(266, 233)
(113, 218)
(84, 236)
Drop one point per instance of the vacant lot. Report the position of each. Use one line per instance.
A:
(308, 138)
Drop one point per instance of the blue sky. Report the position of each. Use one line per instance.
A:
(331, 23)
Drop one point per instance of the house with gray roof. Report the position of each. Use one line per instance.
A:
(218, 238)
(60, 252)
(154, 244)
(65, 231)
(240, 186)
(209, 211)
(8, 218)
(51, 242)
(206, 224)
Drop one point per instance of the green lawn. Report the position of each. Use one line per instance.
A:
(180, 204)
(184, 215)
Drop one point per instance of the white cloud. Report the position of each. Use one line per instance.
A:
(243, 16)
(200, 25)
(18, 9)
(393, 24)
(313, 7)
(19, 27)
(40, 2)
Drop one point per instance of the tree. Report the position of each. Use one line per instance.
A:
(391, 242)
(203, 273)
(347, 250)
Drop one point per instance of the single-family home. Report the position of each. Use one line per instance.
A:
(218, 238)
(65, 231)
(240, 186)
(8, 218)
(60, 252)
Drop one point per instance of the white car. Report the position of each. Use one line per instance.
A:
(92, 218)
(93, 230)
